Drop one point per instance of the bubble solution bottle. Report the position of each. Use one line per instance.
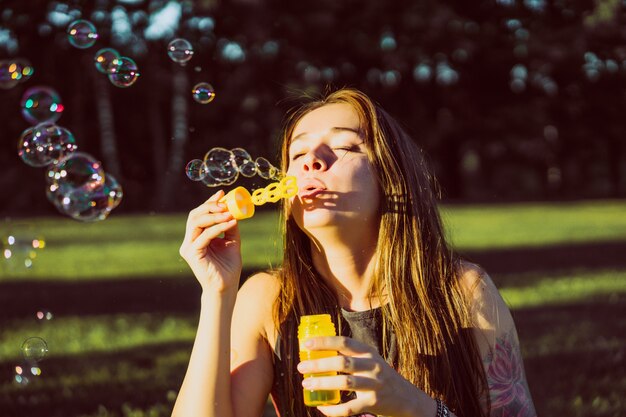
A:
(314, 326)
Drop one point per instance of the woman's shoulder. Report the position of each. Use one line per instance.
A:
(257, 295)
(489, 312)
(474, 280)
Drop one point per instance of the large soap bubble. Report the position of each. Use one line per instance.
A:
(93, 205)
(77, 171)
(41, 104)
(220, 165)
(244, 162)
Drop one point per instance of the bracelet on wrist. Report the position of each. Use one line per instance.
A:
(442, 409)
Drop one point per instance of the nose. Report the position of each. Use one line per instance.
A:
(313, 162)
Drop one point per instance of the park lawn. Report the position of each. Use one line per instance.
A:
(147, 246)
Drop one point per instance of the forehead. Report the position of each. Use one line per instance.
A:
(327, 117)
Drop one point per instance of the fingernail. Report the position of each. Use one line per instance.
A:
(303, 367)
(221, 205)
(308, 343)
(307, 383)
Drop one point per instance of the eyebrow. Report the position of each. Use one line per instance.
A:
(335, 129)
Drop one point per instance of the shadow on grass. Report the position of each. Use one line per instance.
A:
(575, 356)
(181, 295)
(589, 255)
(575, 362)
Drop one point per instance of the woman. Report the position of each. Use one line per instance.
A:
(422, 332)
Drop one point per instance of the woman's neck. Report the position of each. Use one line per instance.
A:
(347, 264)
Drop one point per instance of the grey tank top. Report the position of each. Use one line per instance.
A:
(363, 326)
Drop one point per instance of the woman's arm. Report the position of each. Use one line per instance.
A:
(499, 345)
(209, 389)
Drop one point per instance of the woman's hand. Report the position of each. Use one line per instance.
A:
(214, 260)
(379, 388)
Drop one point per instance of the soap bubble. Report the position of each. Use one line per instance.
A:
(203, 93)
(34, 349)
(14, 71)
(266, 170)
(93, 205)
(25, 67)
(43, 315)
(180, 51)
(9, 74)
(41, 104)
(19, 250)
(33, 149)
(77, 171)
(244, 162)
(82, 34)
(104, 58)
(59, 141)
(220, 165)
(44, 144)
(123, 72)
(195, 170)
(21, 375)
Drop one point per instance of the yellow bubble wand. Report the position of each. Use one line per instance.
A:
(240, 202)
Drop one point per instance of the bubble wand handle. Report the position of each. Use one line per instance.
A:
(240, 202)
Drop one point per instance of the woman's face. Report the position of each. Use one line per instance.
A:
(335, 180)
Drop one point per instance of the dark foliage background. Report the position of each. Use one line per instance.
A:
(512, 99)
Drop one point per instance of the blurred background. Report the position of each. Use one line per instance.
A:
(519, 105)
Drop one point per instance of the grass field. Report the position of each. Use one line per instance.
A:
(125, 305)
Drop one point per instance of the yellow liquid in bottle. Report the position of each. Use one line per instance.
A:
(312, 326)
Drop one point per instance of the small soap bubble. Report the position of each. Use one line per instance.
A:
(244, 162)
(44, 315)
(59, 142)
(203, 93)
(104, 59)
(41, 104)
(77, 171)
(93, 205)
(21, 375)
(34, 349)
(10, 76)
(33, 149)
(82, 34)
(123, 72)
(18, 251)
(195, 170)
(180, 51)
(25, 67)
(265, 169)
(220, 164)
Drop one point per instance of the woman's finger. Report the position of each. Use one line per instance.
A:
(339, 363)
(349, 408)
(210, 233)
(341, 382)
(342, 344)
(209, 219)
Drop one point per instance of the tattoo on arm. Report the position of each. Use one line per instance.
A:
(508, 389)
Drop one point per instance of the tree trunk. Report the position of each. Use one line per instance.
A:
(108, 143)
(175, 168)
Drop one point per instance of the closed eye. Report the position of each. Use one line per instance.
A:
(351, 148)
(296, 156)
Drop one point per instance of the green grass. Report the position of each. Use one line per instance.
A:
(142, 246)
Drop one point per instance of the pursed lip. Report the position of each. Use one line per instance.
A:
(311, 187)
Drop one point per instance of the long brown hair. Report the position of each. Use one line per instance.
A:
(416, 271)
